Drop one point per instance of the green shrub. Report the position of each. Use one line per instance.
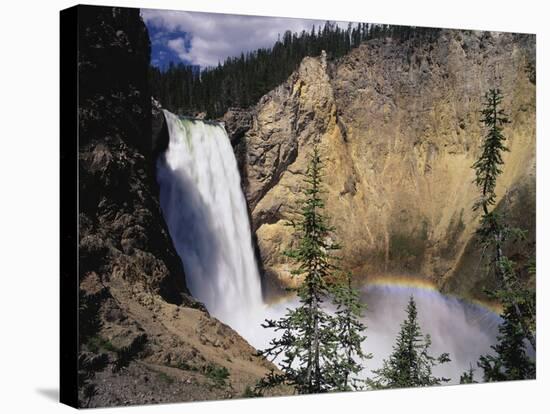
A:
(250, 393)
(217, 373)
(185, 366)
(97, 343)
(127, 353)
(165, 378)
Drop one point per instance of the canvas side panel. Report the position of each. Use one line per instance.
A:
(69, 207)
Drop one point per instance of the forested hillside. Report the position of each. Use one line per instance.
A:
(241, 81)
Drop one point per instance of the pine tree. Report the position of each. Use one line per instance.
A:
(410, 364)
(467, 377)
(488, 166)
(349, 311)
(493, 231)
(309, 344)
(510, 360)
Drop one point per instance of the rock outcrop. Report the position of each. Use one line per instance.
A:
(398, 126)
(143, 338)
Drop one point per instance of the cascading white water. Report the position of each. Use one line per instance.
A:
(206, 214)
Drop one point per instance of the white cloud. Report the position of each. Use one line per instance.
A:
(214, 37)
(178, 46)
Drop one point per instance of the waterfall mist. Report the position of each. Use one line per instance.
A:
(462, 329)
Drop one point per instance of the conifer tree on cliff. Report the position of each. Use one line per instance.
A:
(518, 302)
(510, 361)
(308, 348)
(348, 325)
(410, 364)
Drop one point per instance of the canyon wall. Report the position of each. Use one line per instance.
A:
(399, 128)
(142, 337)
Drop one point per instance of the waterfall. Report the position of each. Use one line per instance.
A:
(206, 214)
(205, 210)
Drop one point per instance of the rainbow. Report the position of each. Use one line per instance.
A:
(426, 285)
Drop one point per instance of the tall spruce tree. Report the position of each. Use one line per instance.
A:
(493, 231)
(410, 364)
(348, 325)
(309, 347)
(510, 360)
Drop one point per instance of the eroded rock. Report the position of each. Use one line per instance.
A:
(398, 127)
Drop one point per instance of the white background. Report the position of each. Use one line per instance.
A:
(29, 216)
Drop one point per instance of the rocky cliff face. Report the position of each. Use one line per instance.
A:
(399, 129)
(143, 338)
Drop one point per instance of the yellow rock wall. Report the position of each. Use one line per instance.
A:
(398, 124)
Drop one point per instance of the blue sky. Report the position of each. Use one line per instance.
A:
(207, 38)
(165, 45)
